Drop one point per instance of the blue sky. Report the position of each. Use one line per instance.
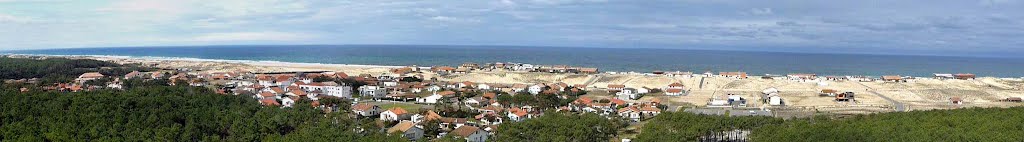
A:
(987, 27)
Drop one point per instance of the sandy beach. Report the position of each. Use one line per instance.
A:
(922, 93)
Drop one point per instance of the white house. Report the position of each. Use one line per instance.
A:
(430, 99)
(536, 89)
(628, 93)
(372, 91)
(631, 113)
(470, 133)
(433, 88)
(516, 114)
(288, 101)
(483, 86)
(366, 110)
(408, 130)
(395, 114)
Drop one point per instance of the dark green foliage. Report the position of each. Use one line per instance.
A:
(558, 127)
(684, 126)
(971, 124)
(52, 70)
(167, 113)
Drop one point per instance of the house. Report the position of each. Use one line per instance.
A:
(443, 69)
(588, 70)
(330, 89)
(674, 92)
(675, 85)
(631, 113)
(516, 114)
(269, 102)
(483, 86)
(465, 84)
(289, 101)
(372, 91)
(629, 93)
(802, 76)
(943, 76)
(964, 76)
(827, 92)
(616, 87)
(433, 98)
(740, 75)
(395, 114)
(893, 78)
(956, 100)
(366, 109)
(88, 76)
(844, 97)
(133, 74)
(470, 133)
(775, 100)
(430, 115)
(408, 130)
(536, 89)
(519, 87)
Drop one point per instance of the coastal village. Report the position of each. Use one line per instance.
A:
(406, 99)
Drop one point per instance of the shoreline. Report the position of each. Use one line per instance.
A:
(273, 63)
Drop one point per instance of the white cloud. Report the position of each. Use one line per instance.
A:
(761, 11)
(453, 19)
(5, 18)
(252, 36)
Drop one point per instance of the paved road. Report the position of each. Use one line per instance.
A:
(592, 80)
(899, 105)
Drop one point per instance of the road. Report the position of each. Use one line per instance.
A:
(592, 80)
(899, 105)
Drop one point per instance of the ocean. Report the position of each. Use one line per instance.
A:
(606, 59)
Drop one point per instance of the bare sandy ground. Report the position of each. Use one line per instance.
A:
(919, 94)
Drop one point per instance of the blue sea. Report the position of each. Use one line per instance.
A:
(607, 59)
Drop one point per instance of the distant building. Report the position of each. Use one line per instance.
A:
(88, 76)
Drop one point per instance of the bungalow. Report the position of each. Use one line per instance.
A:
(465, 84)
(775, 100)
(802, 76)
(965, 76)
(133, 74)
(395, 114)
(516, 114)
(88, 76)
(483, 86)
(827, 92)
(956, 100)
(408, 130)
(366, 109)
(430, 115)
(631, 113)
(470, 133)
(443, 69)
(893, 78)
(740, 75)
(519, 87)
(616, 87)
(588, 70)
(943, 76)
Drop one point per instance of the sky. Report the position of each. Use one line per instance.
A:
(986, 27)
